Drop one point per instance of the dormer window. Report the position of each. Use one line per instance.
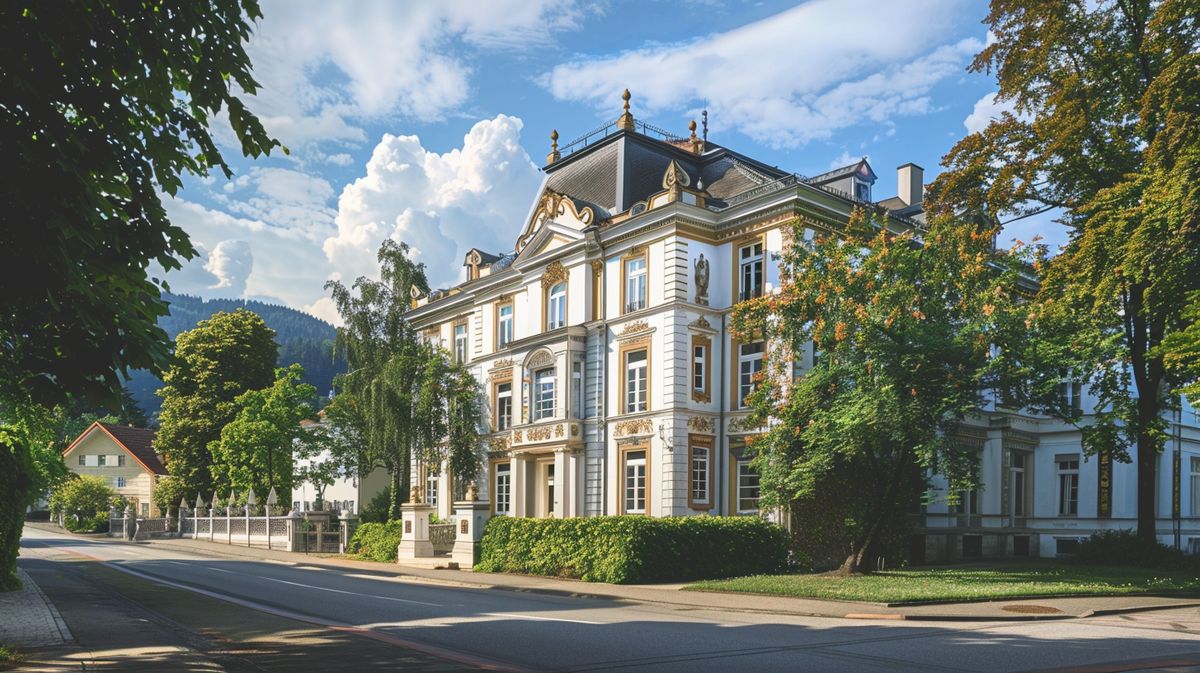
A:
(862, 190)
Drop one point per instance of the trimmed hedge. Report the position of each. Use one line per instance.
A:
(376, 541)
(634, 549)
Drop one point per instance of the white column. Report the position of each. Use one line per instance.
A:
(519, 494)
(563, 488)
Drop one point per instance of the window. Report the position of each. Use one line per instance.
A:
(701, 473)
(1070, 390)
(862, 191)
(102, 461)
(556, 307)
(747, 488)
(82, 459)
(543, 394)
(121, 460)
(635, 482)
(504, 405)
(701, 349)
(431, 488)
(968, 503)
(145, 509)
(119, 482)
(750, 270)
(1068, 485)
(460, 342)
(577, 388)
(635, 284)
(635, 381)
(750, 364)
(1018, 483)
(503, 488)
(504, 324)
(1195, 484)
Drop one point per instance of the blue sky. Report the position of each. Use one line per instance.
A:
(428, 122)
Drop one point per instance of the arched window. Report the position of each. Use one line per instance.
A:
(556, 306)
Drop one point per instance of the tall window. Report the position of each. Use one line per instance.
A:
(699, 361)
(750, 270)
(119, 482)
(635, 381)
(503, 488)
(431, 488)
(747, 488)
(460, 342)
(1070, 392)
(700, 462)
(750, 364)
(556, 307)
(635, 284)
(120, 460)
(1068, 485)
(82, 459)
(543, 394)
(504, 324)
(504, 405)
(1195, 483)
(1018, 483)
(577, 388)
(102, 461)
(635, 482)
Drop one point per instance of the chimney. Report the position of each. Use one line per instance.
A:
(911, 179)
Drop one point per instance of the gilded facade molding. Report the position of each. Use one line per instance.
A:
(641, 426)
(553, 275)
(701, 424)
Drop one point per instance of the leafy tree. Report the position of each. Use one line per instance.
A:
(255, 449)
(106, 105)
(414, 401)
(905, 323)
(336, 447)
(84, 502)
(1181, 351)
(168, 492)
(1105, 130)
(222, 358)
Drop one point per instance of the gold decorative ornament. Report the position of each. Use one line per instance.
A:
(554, 155)
(701, 424)
(553, 275)
(642, 426)
(625, 121)
(634, 327)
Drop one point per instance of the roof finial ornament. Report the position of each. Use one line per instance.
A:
(704, 124)
(554, 155)
(625, 121)
(697, 144)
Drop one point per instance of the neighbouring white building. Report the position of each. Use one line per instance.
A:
(612, 385)
(348, 494)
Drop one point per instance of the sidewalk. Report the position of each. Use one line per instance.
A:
(672, 594)
(28, 619)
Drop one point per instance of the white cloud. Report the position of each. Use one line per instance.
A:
(230, 262)
(986, 110)
(843, 159)
(325, 65)
(440, 204)
(799, 75)
(294, 203)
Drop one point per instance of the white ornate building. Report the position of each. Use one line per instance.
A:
(611, 383)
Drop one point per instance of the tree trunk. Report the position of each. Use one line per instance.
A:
(1147, 474)
(394, 496)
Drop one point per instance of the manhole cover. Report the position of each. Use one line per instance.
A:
(1031, 609)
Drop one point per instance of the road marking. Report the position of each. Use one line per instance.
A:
(350, 593)
(219, 570)
(541, 619)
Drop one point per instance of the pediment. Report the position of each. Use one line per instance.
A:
(554, 208)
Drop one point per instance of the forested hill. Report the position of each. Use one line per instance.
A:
(301, 338)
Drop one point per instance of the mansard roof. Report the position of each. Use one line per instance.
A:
(861, 168)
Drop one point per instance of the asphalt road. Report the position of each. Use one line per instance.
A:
(505, 630)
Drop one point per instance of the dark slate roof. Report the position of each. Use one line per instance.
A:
(504, 262)
(487, 257)
(139, 442)
(838, 173)
(592, 177)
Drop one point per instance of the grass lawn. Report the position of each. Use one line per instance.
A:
(967, 583)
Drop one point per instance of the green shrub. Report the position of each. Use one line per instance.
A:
(633, 549)
(376, 541)
(1123, 548)
(83, 502)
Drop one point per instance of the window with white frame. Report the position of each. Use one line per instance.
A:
(635, 482)
(431, 488)
(701, 461)
(118, 482)
(503, 488)
(1068, 485)
(1019, 461)
(635, 284)
(577, 388)
(635, 381)
(750, 270)
(747, 488)
(504, 324)
(699, 362)
(504, 405)
(543, 394)
(460, 342)
(750, 364)
(102, 460)
(556, 307)
(1195, 484)
(1070, 391)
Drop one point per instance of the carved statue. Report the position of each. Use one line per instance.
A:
(701, 273)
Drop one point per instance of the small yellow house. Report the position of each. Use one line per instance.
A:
(124, 457)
